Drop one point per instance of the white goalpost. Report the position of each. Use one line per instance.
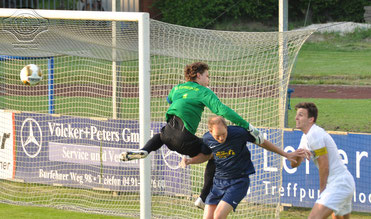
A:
(106, 76)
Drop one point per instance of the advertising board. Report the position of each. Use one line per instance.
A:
(84, 153)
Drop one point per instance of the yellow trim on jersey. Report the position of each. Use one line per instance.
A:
(321, 151)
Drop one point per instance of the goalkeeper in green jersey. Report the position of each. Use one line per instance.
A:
(187, 102)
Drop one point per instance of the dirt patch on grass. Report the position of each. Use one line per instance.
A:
(331, 91)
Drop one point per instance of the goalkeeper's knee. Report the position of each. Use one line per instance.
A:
(259, 138)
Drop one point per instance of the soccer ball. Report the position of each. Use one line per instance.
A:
(31, 74)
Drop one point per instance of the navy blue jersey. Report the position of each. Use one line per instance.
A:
(232, 158)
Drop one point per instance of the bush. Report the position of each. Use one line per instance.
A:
(204, 13)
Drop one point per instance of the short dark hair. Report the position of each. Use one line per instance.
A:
(310, 107)
(191, 70)
(216, 120)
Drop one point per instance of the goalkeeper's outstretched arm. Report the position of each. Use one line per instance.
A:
(294, 157)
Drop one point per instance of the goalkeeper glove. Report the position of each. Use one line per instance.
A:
(259, 138)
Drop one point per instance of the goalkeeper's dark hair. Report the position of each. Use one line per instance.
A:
(310, 107)
(191, 70)
(216, 120)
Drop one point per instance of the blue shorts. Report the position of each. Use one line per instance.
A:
(231, 191)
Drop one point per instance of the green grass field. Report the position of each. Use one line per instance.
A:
(16, 212)
(339, 60)
(349, 115)
(21, 212)
(298, 213)
(334, 59)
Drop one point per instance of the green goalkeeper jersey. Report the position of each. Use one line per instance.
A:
(188, 101)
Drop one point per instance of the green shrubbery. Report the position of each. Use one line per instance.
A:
(203, 14)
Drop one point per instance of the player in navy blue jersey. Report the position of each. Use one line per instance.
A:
(233, 165)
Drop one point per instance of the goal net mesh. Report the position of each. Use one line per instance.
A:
(61, 138)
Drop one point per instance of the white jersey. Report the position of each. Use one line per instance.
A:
(317, 138)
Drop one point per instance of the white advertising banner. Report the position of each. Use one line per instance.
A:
(6, 145)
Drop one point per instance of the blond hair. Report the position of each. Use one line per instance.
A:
(216, 120)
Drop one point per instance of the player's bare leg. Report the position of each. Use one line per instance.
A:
(209, 211)
(319, 211)
(222, 210)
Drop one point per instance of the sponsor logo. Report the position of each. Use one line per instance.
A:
(225, 154)
(31, 137)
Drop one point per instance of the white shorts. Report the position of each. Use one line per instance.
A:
(338, 194)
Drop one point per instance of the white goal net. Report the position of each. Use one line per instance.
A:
(61, 138)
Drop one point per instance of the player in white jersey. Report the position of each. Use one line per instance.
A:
(337, 185)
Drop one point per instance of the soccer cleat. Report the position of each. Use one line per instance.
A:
(199, 203)
(132, 155)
